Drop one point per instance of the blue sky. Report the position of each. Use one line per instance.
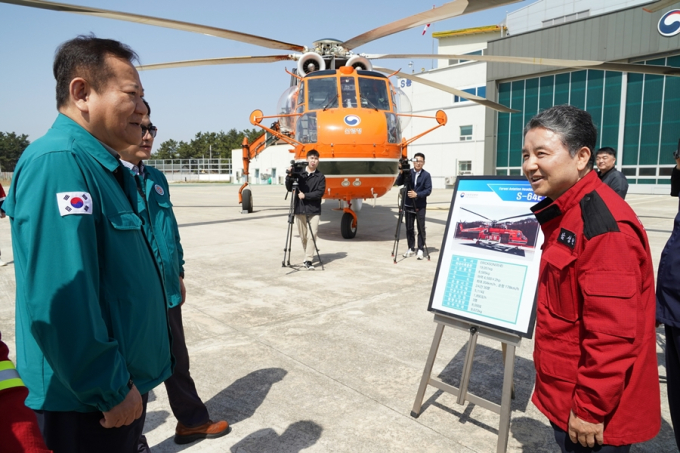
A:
(185, 101)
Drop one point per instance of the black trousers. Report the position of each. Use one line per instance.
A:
(80, 432)
(567, 446)
(185, 403)
(673, 377)
(410, 230)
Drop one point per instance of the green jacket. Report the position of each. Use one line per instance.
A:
(160, 225)
(90, 308)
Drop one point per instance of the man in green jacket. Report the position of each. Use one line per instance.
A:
(160, 227)
(91, 324)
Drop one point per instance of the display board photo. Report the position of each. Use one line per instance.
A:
(488, 266)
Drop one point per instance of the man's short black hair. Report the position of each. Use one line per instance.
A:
(147, 106)
(606, 150)
(574, 126)
(419, 155)
(313, 152)
(85, 56)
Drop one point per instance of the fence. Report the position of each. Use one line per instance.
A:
(193, 169)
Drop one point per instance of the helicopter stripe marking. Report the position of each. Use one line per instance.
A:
(364, 168)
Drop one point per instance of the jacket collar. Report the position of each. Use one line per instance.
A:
(88, 143)
(548, 209)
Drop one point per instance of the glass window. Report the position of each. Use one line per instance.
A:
(481, 92)
(516, 124)
(464, 166)
(594, 99)
(651, 119)
(530, 100)
(305, 128)
(393, 128)
(547, 85)
(647, 172)
(373, 93)
(578, 89)
(503, 138)
(629, 171)
(562, 83)
(349, 92)
(631, 131)
(322, 93)
(665, 171)
(670, 126)
(609, 132)
(465, 133)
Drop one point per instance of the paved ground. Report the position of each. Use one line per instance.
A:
(330, 361)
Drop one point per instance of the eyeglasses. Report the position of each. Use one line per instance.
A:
(151, 129)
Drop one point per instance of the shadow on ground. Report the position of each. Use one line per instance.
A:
(237, 402)
(295, 438)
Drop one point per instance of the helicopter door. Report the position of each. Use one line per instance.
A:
(349, 92)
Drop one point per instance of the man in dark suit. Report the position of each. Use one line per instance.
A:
(417, 192)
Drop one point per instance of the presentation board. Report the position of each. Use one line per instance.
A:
(488, 266)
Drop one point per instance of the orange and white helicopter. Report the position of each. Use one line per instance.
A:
(339, 103)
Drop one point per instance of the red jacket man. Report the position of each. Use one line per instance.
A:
(595, 344)
(19, 431)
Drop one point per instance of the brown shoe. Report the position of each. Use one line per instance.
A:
(209, 430)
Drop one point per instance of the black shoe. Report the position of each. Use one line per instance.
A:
(308, 265)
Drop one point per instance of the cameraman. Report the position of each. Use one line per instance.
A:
(668, 306)
(417, 192)
(311, 187)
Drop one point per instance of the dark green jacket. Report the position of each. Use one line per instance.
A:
(161, 226)
(90, 308)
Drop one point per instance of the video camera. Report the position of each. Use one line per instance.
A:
(404, 163)
(296, 169)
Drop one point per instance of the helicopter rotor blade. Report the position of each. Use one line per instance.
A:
(448, 89)
(592, 64)
(446, 11)
(515, 217)
(218, 61)
(167, 23)
(476, 214)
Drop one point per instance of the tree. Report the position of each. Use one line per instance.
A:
(11, 148)
(205, 144)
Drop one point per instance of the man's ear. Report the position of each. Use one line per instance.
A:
(582, 158)
(79, 91)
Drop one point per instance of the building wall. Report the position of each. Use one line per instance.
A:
(636, 114)
(531, 17)
(270, 164)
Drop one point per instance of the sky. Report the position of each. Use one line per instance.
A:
(186, 101)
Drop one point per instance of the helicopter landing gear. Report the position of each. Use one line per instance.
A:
(247, 201)
(348, 224)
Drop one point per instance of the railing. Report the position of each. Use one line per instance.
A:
(193, 169)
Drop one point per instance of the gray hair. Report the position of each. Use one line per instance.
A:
(574, 126)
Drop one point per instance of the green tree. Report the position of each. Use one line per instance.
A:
(204, 144)
(11, 147)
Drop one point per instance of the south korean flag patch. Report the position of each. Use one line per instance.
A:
(74, 203)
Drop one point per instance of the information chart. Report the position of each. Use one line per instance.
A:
(491, 289)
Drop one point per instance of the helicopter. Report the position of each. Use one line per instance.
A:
(339, 103)
(495, 234)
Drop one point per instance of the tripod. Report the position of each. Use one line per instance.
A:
(408, 185)
(291, 220)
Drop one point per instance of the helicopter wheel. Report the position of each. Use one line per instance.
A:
(346, 226)
(247, 201)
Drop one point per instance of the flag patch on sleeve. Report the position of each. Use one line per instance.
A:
(74, 203)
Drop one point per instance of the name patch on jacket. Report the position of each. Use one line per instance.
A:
(74, 203)
(567, 238)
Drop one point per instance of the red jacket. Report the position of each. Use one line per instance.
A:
(19, 431)
(595, 347)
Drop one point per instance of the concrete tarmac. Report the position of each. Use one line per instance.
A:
(330, 360)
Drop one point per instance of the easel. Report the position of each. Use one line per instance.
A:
(509, 341)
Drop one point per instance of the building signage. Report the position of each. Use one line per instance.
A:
(669, 24)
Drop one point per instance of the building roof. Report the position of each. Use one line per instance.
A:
(468, 31)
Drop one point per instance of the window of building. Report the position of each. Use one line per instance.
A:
(465, 133)
(465, 167)
(456, 61)
(476, 91)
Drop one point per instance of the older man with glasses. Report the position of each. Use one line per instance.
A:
(160, 227)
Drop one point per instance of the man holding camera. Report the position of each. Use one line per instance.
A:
(668, 305)
(310, 190)
(417, 190)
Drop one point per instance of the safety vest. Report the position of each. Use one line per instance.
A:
(9, 377)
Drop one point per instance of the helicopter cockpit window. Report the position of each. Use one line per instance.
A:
(373, 94)
(306, 127)
(349, 92)
(322, 93)
(393, 128)
(301, 98)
